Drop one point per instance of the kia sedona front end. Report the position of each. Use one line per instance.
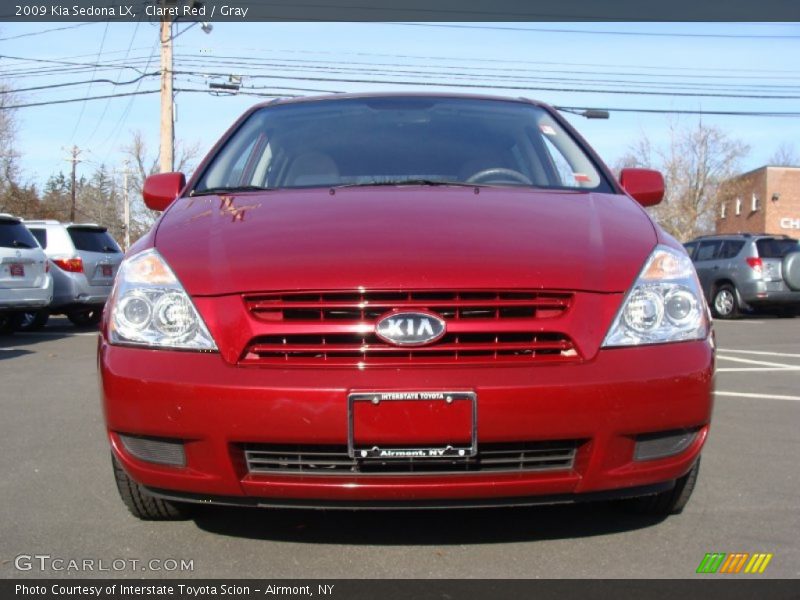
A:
(397, 301)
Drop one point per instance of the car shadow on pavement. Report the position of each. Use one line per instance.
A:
(421, 527)
(57, 329)
(7, 353)
(22, 340)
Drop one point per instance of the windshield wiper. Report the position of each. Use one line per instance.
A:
(18, 244)
(395, 182)
(229, 190)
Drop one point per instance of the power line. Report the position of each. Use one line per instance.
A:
(670, 111)
(598, 32)
(72, 83)
(127, 109)
(89, 89)
(466, 75)
(526, 88)
(94, 64)
(119, 74)
(650, 88)
(22, 35)
(70, 100)
(250, 60)
(70, 66)
(273, 95)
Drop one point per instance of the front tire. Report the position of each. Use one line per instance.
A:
(670, 502)
(85, 317)
(140, 503)
(725, 303)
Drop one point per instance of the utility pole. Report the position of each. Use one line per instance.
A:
(126, 204)
(74, 153)
(167, 152)
(166, 158)
(126, 213)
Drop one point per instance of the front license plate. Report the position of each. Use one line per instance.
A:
(16, 270)
(417, 425)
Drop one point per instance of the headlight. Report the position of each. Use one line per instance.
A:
(149, 307)
(665, 304)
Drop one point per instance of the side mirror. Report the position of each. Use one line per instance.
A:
(644, 185)
(159, 191)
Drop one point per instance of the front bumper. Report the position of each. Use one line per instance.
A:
(215, 407)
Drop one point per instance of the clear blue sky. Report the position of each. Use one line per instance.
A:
(750, 58)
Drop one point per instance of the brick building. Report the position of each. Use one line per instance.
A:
(764, 200)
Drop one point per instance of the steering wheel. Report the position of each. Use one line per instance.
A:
(498, 173)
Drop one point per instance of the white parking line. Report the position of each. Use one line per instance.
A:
(754, 369)
(762, 363)
(56, 333)
(760, 396)
(760, 353)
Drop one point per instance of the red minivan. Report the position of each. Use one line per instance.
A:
(390, 301)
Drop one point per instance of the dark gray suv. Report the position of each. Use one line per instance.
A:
(745, 272)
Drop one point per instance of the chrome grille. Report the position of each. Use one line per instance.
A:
(368, 306)
(337, 328)
(367, 349)
(334, 460)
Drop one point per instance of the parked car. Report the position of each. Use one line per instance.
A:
(25, 283)
(745, 272)
(85, 259)
(400, 301)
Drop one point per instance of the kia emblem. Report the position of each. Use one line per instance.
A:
(410, 328)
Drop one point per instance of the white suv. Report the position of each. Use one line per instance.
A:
(25, 282)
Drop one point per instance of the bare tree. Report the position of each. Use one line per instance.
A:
(9, 168)
(16, 197)
(695, 163)
(143, 165)
(785, 155)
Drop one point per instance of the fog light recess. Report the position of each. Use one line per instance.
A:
(660, 445)
(155, 450)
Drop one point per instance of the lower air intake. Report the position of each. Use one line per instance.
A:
(334, 460)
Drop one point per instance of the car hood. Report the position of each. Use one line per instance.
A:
(405, 238)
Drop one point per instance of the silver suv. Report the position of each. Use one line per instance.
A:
(25, 283)
(745, 272)
(85, 259)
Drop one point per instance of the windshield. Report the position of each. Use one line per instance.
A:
(401, 140)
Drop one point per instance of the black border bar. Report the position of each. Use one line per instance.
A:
(708, 587)
(406, 10)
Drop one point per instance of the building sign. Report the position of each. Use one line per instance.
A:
(789, 223)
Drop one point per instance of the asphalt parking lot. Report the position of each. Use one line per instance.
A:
(57, 495)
